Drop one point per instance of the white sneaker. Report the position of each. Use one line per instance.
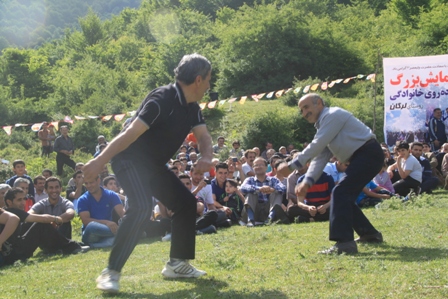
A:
(108, 281)
(166, 238)
(183, 269)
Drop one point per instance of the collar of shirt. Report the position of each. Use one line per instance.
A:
(180, 95)
(47, 203)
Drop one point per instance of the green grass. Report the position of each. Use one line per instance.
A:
(278, 261)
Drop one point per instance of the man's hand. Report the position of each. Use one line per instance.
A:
(266, 190)
(113, 227)
(283, 170)
(312, 210)
(203, 165)
(79, 181)
(92, 169)
(202, 184)
(226, 199)
(227, 210)
(301, 189)
(321, 209)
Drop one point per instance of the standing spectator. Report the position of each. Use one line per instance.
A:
(64, 147)
(44, 139)
(437, 135)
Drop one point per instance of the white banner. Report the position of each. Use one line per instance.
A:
(413, 88)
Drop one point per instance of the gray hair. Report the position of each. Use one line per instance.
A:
(4, 186)
(20, 180)
(190, 67)
(315, 98)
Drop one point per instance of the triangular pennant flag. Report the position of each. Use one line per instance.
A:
(332, 83)
(202, 105)
(93, 117)
(232, 100)
(131, 113)
(306, 89)
(106, 118)
(36, 127)
(68, 119)
(338, 81)
(7, 130)
(270, 94)
(297, 90)
(347, 80)
(314, 87)
(261, 95)
(243, 100)
(212, 105)
(288, 90)
(255, 97)
(279, 93)
(55, 125)
(222, 102)
(360, 76)
(119, 117)
(324, 86)
(371, 77)
(79, 117)
(20, 125)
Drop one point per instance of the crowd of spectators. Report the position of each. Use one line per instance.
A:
(243, 188)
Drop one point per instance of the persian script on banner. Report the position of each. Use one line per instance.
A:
(413, 88)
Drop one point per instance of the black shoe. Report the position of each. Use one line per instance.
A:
(349, 247)
(371, 238)
(301, 219)
(281, 215)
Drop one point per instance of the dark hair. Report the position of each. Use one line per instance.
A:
(436, 109)
(263, 159)
(175, 161)
(403, 144)
(222, 166)
(275, 156)
(278, 162)
(11, 194)
(190, 67)
(416, 143)
(232, 182)
(236, 142)
(184, 176)
(221, 137)
(76, 174)
(249, 151)
(18, 162)
(107, 179)
(47, 170)
(52, 179)
(174, 168)
(39, 177)
(426, 143)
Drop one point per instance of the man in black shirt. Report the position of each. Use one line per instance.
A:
(139, 155)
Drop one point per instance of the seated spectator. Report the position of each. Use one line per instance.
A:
(3, 189)
(78, 189)
(71, 182)
(336, 170)
(267, 147)
(269, 154)
(100, 149)
(219, 146)
(257, 151)
(315, 206)
(101, 141)
(33, 231)
(235, 170)
(429, 182)
(234, 200)
(372, 194)
(250, 156)
(262, 194)
(20, 171)
(24, 185)
(409, 171)
(174, 169)
(8, 226)
(282, 150)
(95, 210)
(236, 151)
(56, 205)
(382, 179)
(46, 173)
(289, 149)
(193, 159)
(39, 188)
(274, 158)
(110, 183)
(387, 156)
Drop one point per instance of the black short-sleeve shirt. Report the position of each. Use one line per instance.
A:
(169, 118)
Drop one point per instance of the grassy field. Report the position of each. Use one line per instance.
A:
(277, 261)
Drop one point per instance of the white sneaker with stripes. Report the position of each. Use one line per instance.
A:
(181, 269)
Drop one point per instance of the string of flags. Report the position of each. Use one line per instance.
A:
(210, 105)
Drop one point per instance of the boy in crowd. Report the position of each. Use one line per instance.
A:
(19, 169)
(234, 200)
(29, 200)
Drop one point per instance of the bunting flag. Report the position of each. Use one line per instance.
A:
(202, 105)
(270, 94)
(279, 93)
(338, 81)
(68, 119)
(288, 90)
(55, 124)
(93, 117)
(314, 87)
(119, 117)
(132, 113)
(79, 117)
(324, 86)
(346, 80)
(212, 105)
(243, 100)
(297, 90)
(106, 118)
(255, 97)
(8, 130)
(232, 100)
(261, 95)
(36, 127)
(332, 83)
(21, 125)
(360, 76)
(371, 77)
(306, 89)
(222, 102)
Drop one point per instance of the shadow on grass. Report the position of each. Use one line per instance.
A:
(406, 253)
(204, 288)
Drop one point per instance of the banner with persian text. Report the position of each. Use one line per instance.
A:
(413, 88)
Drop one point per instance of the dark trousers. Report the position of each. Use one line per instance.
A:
(62, 159)
(46, 151)
(295, 211)
(141, 183)
(404, 186)
(429, 184)
(345, 215)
